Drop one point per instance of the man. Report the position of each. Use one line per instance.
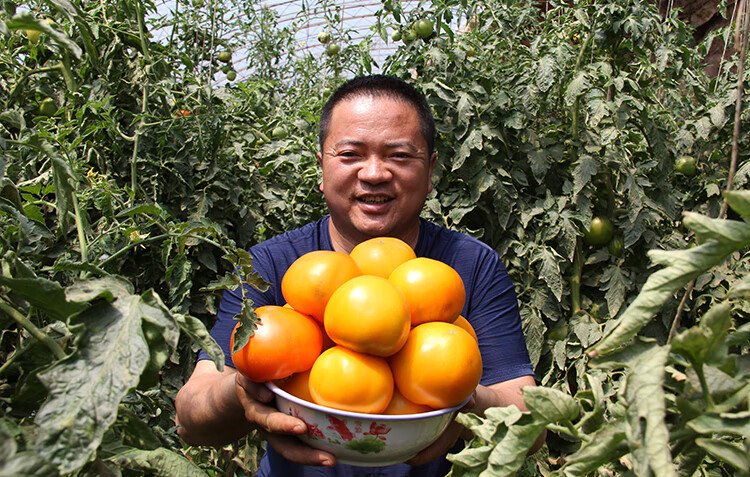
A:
(377, 139)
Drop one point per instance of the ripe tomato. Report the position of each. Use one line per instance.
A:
(368, 314)
(464, 323)
(351, 381)
(285, 342)
(439, 366)
(434, 290)
(297, 385)
(400, 405)
(381, 255)
(600, 231)
(312, 278)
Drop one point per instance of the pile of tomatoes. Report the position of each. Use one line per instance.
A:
(375, 331)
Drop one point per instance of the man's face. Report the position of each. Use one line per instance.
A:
(376, 170)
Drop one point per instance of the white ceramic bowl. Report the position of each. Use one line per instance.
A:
(368, 440)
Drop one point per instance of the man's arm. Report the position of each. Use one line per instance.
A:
(495, 395)
(216, 408)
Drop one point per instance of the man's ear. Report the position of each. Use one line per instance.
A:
(320, 162)
(433, 160)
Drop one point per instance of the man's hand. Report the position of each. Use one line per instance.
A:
(216, 408)
(279, 429)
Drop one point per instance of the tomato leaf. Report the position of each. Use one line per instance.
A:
(648, 434)
(720, 238)
(46, 295)
(159, 461)
(550, 405)
(726, 451)
(248, 323)
(739, 201)
(605, 446)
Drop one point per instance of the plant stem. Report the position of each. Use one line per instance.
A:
(678, 315)
(575, 279)
(26, 324)
(743, 37)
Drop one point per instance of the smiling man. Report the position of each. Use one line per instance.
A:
(377, 154)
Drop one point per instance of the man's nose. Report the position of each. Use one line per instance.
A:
(374, 170)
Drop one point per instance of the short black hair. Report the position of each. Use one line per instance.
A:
(381, 85)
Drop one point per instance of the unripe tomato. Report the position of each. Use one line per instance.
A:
(333, 49)
(47, 107)
(423, 28)
(410, 35)
(686, 165)
(616, 245)
(225, 56)
(285, 342)
(278, 133)
(324, 37)
(439, 366)
(600, 231)
(33, 36)
(232, 75)
(396, 36)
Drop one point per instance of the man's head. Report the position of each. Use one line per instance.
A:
(376, 156)
(376, 86)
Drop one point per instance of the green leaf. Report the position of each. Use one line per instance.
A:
(739, 201)
(727, 452)
(26, 21)
(550, 405)
(722, 424)
(645, 427)
(159, 462)
(605, 446)
(45, 295)
(248, 323)
(86, 388)
(720, 237)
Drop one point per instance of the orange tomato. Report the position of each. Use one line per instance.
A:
(351, 381)
(439, 366)
(381, 255)
(285, 342)
(434, 290)
(464, 323)
(400, 405)
(297, 385)
(309, 282)
(368, 314)
(327, 341)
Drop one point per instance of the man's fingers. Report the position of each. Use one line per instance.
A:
(294, 450)
(256, 391)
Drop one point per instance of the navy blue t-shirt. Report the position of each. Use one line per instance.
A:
(491, 307)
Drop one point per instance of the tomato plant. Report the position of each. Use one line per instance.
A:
(285, 342)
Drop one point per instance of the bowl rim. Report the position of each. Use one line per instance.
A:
(361, 415)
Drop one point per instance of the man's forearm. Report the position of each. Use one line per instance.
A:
(209, 412)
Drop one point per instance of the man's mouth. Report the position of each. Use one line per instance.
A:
(374, 200)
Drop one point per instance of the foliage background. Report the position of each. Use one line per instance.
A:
(121, 205)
